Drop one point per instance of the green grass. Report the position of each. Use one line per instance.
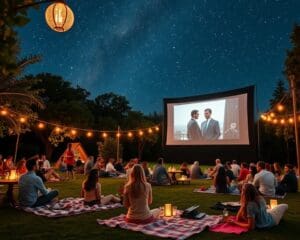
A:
(16, 224)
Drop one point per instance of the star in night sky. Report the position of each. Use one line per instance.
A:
(148, 50)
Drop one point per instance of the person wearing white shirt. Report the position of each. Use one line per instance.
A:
(110, 166)
(46, 163)
(235, 168)
(264, 180)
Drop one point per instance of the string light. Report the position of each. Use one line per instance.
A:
(41, 125)
(141, 133)
(118, 135)
(272, 114)
(89, 134)
(291, 120)
(275, 121)
(129, 134)
(104, 135)
(73, 132)
(150, 130)
(22, 119)
(4, 112)
(57, 129)
(282, 121)
(280, 107)
(157, 128)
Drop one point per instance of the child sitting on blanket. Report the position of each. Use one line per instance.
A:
(254, 213)
(138, 197)
(91, 191)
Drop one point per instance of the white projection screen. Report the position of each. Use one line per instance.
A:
(221, 120)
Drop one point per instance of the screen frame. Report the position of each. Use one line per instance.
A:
(250, 111)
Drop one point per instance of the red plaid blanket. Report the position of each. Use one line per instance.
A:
(67, 207)
(177, 228)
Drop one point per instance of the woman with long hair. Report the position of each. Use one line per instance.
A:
(138, 197)
(91, 191)
(254, 213)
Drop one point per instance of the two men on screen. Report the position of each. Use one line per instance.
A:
(210, 129)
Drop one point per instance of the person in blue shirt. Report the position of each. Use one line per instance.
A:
(160, 175)
(254, 213)
(30, 185)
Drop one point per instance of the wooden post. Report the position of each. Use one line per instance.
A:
(118, 144)
(17, 146)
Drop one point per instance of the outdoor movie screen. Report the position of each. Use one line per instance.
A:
(208, 121)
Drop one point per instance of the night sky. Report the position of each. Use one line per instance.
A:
(148, 50)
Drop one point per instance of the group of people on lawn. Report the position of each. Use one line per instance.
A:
(136, 195)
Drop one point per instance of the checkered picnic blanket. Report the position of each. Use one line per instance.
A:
(176, 227)
(67, 207)
(212, 190)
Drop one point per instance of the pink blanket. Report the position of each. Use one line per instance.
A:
(228, 228)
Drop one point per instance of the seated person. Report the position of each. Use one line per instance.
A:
(91, 191)
(250, 176)
(138, 197)
(146, 170)
(229, 172)
(213, 172)
(119, 165)
(89, 165)
(244, 171)
(30, 185)
(185, 170)
(196, 172)
(160, 175)
(21, 166)
(264, 180)
(46, 175)
(253, 212)
(235, 168)
(221, 181)
(8, 164)
(289, 182)
(110, 168)
(277, 171)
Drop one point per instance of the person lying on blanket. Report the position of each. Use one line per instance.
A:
(138, 197)
(254, 213)
(91, 191)
(30, 185)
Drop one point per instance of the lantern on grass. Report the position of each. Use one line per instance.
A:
(168, 210)
(273, 203)
(59, 17)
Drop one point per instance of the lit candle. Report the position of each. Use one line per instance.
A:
(168, 210)
(273, 203)
(13, 175)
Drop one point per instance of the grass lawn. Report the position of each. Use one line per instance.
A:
(15, 224)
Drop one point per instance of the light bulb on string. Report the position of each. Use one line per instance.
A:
(104, 135)
(282, 121)
(141, 133)
(150, 130)
(291, 120)
(57, 130)
(157, 128)
(129, 134)
(89, 134)
(22, 119)
(73, 132)
(4, 112)
(118, 135)
(41, 125)
(280, 107)
(275, 121)
(272, 114)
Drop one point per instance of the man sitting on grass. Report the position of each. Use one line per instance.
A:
(29, 187)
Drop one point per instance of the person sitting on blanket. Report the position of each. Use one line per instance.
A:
(91, 191)
(222, 182)
(264, 180)
(160, 175)
(138, 197)
(21, 166)
(213, 172)
(253, 211)
(243, 172)
(196, 172)
(185, 170)
(289, 182)
(30, 185)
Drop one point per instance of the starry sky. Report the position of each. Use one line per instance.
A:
(148, 50)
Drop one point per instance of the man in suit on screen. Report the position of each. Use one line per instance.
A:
(193, 129)
(210, 128)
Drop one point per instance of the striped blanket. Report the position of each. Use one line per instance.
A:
(67, 207)
(175, 227)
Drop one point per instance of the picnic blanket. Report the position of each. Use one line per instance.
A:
(228, 228)
(175, 227)
(67, 207)
(212, 190)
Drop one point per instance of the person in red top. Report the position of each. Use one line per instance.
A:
(70, 161)
(243, 172)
